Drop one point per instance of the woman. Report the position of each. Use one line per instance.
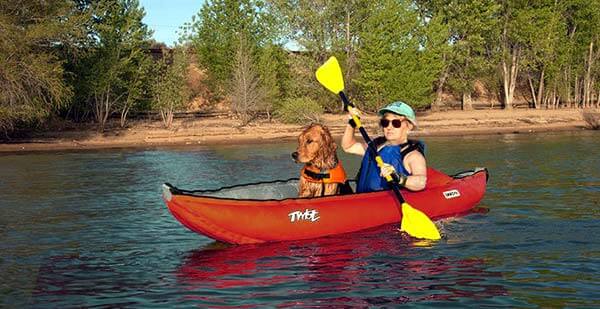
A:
(401, 156)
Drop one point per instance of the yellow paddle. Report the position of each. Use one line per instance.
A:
(414, 222)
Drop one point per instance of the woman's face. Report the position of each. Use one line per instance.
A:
(395, 128)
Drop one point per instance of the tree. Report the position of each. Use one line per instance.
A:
(273, 68)
(318, 30)
(470, 26)
(35, 38)
(170, 89)
(519, 25)
(215, 36)
(437, 47)
(541, 56)
(114, 68)
(394, 63)
(584, 17)
(247, 94)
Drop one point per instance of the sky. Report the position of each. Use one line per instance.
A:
(165, 17)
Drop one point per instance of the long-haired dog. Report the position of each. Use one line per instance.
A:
(323, 173)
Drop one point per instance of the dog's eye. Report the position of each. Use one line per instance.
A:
(308, 141)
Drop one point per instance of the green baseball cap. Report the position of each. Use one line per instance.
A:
(400, 108)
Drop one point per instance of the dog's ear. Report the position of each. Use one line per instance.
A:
(329, 148)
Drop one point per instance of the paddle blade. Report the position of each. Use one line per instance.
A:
(417, 224)
(330, 75)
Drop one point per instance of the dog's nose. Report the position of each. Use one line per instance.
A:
(295, 155)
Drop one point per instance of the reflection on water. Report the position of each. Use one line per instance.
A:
(358, 269)
(83, 229)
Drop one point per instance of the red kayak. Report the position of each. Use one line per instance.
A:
(270, 211)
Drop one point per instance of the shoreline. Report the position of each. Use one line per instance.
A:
(220, 130)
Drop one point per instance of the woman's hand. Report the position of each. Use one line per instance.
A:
(353, 111)
(387, 170)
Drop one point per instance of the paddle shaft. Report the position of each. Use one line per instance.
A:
(371, 147)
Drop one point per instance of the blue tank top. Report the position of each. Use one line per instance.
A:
(369, 178)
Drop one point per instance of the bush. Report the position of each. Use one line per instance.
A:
(299, 110)
(13, 118)
(592, 118)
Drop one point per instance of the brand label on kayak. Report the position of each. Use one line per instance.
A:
(306, 215)
(451, 194)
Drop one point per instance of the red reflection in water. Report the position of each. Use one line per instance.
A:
(358, 263)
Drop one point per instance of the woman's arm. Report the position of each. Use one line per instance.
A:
(417, 166)
(349, 143)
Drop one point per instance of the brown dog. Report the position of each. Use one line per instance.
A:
(323, 173)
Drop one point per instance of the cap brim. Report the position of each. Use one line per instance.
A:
(385, 110)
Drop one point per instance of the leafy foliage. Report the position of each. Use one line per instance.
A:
(35, 38)
(299, 110)
(170, 90)
(114, 69)
(88, 60)
(274, 70)
(216, 33)
(392, 63)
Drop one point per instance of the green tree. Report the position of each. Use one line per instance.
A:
(273, 67)
(320, 29)
(35, 39)
(112, 76)
(541, 58)
(583, 18)
(394, 60)
(471, 26)
(215, 35)
(170, 89)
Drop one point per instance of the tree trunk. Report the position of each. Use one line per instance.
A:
(509, 74)
(540, 93)
(533, 97)
(437, 104)
(591, 90)
(568, 87)
(101, 107)
(348, 41)
(166, 114)
(467, 104)
(587, 78)
(577, 92)
(107, 107)
(124, 113)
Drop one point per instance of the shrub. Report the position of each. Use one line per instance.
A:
(592, 118)
(299, 110)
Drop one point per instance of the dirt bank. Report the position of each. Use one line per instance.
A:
(208, 131)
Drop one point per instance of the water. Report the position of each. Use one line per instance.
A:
(90, 229)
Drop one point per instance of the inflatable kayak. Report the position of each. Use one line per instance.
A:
(270, 211)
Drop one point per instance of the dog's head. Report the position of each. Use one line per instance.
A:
(316, 147)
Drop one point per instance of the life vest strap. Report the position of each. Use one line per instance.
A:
(335, 175)
(317, 176)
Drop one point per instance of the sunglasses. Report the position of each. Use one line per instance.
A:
(396, 123)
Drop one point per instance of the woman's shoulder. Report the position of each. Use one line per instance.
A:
(413, 145)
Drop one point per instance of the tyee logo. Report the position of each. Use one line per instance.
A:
(307, 215)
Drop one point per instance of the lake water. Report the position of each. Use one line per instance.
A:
(90, 229)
